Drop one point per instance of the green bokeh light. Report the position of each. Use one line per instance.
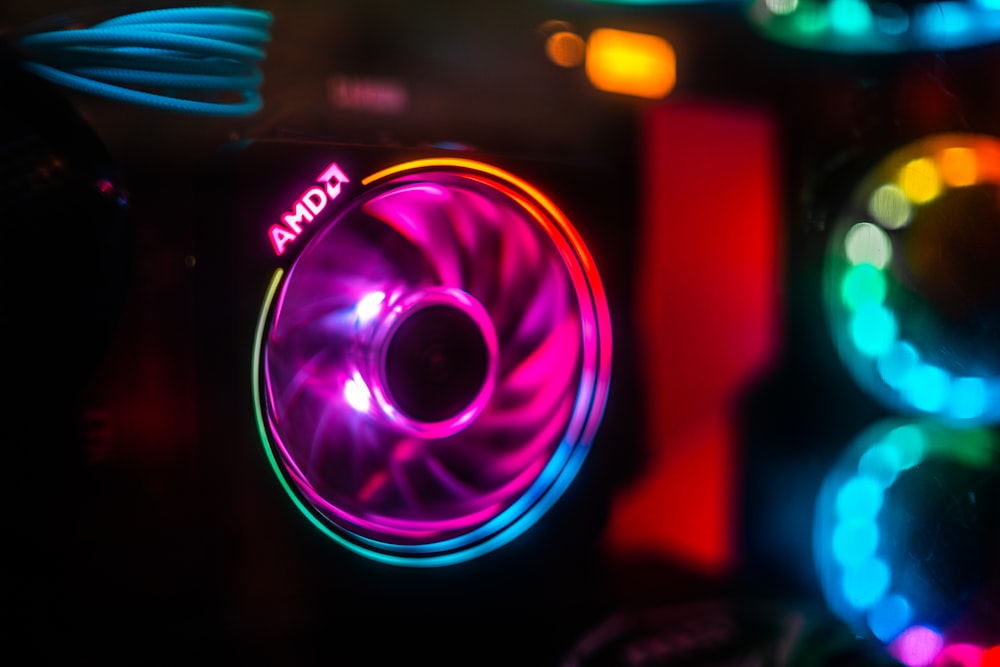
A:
(863, 285)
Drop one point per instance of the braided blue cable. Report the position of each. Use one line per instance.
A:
(197, 15)
(146, 60)
(183, 59)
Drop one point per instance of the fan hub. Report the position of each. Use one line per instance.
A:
(436, 357)
(436, 363)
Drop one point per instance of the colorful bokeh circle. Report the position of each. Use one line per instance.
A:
(912, 280)
(906, 541)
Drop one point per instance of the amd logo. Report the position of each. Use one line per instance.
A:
(309, 204)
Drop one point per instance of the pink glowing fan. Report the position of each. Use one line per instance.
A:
(434, 364)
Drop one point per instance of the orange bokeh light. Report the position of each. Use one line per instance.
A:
(631, 63)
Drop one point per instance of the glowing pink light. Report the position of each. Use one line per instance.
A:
(333, 173)
(305, 209)
(960, 655)
(917, 646)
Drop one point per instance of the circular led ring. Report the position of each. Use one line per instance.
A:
(899, 347)
(414, 201)
(861, 554)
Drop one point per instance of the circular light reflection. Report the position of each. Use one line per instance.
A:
(917, 646)
(882, 464)
(855, 542)
(891, 19)
(911, 279)
(958, 166)
(859, 499)
(864, 285)
(565, 48)
(896, 519)
(852, 17)
(909, 442)
(873, 330)
(890, 206)
(895, 364)
(920, 181)
(889, 617)
(866, 583)
(866, 243)
(927, 388)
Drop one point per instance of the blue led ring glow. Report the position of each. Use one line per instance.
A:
(856, 572)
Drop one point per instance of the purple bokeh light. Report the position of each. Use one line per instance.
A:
(917, 646)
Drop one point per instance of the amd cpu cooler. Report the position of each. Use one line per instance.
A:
(432, 348)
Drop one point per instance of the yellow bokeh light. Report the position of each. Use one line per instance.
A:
(920, 180)
(630, 63)
(958, 166)
(565, 48)
(890, 206)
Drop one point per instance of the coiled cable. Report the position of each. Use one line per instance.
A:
(198, 60)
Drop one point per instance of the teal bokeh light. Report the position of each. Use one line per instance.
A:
(882, 464)
(891, 19)
(889, 617)
(927, 388)
(896, 364)
(943, 20)
(854, 542)
(866, 583)
(909, 442)
(859, 499)
(969, 397)
(851, 17)
(873, 330)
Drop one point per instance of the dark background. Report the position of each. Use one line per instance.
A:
(145, 524)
